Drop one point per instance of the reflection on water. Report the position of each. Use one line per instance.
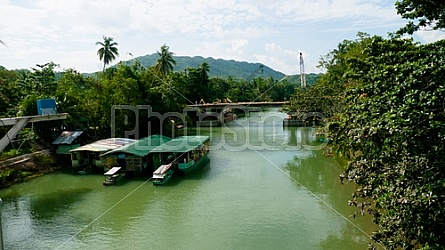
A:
(49, 205)
(263, 189)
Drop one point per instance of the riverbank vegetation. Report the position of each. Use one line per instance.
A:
(22, 170)
(89, 100)
(385, 98)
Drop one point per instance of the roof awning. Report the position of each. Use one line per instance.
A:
(141, 147)
(162, 169)
(181, 144)
(67, 137)
(104, 145)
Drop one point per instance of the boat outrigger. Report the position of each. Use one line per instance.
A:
(162, 174)
(112, 176)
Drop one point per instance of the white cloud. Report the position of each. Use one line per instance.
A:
(431, 35)
(273, 32)
(277, 57)
(237, 47)
(328, 10)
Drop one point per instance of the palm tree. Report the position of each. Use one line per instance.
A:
(108, 51)
(165, 64)
(203, 69)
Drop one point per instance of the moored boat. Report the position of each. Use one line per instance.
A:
(193, 164)
(162, 174)
(112, 176)
(187, 153)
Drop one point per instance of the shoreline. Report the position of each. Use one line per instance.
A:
(20, 171)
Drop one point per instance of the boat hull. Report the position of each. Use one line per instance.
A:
(164, 179)
(201, 162)
(113, 179)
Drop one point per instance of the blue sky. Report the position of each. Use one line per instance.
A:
(268, 32)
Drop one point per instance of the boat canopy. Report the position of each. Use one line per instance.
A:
(104, 145)
(112, 171)
(141, 147)
(162, 169)
(181, 144)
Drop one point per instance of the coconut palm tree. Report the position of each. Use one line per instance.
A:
(203, 69)
(108, 51)
(165, 64)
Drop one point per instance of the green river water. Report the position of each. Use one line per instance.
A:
(264, 188)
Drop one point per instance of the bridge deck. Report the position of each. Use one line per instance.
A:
(245, 104)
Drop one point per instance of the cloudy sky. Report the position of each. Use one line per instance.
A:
(269, 32)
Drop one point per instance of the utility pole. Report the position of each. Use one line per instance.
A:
(302, 75)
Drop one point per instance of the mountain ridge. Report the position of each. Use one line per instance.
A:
(218, 67)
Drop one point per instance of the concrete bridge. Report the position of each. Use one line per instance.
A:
(18, 123)
(216, 113)
(221, 105)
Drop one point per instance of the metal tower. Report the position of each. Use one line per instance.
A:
(302, 75)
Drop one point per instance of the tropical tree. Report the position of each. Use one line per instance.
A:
(40, 82)
(427, 13)
(108, 50)
(166, 62)
(9, 90)
(203, 70)
(219, 88)
(198, 83)
(391, 132)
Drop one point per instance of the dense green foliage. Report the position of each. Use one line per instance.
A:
(388, 121)
(423, 14)
(386, 106)
(392, 129)
(89, 101)
(8, 176)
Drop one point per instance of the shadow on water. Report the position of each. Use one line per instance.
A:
(198, 174)
(45, 206)
(129, 179)
(319, 175)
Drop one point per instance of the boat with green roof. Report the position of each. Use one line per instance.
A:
(162, 174)
(136, 157)
(185, 153)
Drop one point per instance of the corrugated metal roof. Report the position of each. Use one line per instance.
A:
(181, 144)
(141, 147)
(104, 145)
(67, 137)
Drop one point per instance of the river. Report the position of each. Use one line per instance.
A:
(266, 187)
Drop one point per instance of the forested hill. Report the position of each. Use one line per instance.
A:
(218, 67)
